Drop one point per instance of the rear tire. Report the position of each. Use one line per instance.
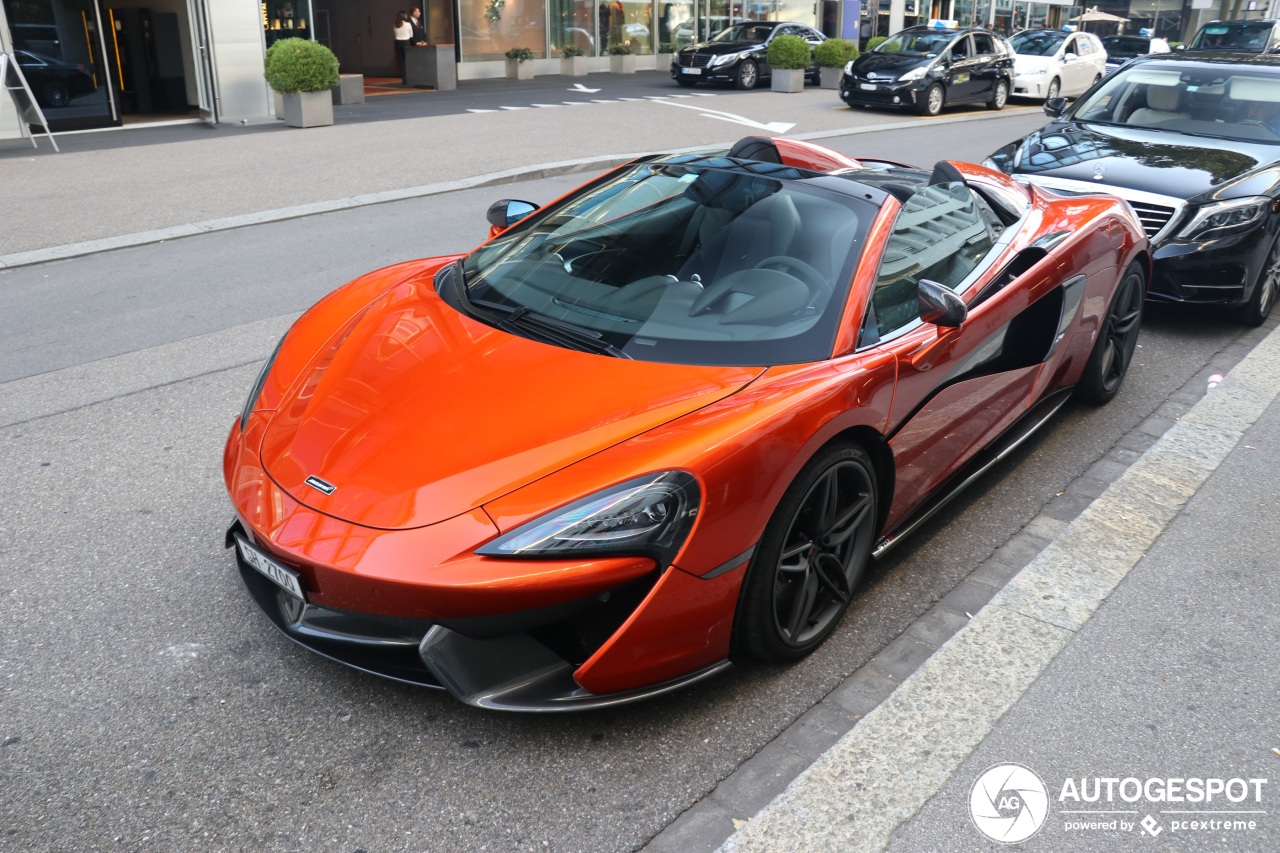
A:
(1001, 96)
(1113, 350)
(810, 558)
(56, 94)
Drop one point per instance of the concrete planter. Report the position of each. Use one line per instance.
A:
(308, 109)
(517, 70)
(788, 80)
(662, 61)
(350, 89)
(831, 77)
(573, 66)
(623, 64)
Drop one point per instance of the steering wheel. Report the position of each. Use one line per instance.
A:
(819, 287)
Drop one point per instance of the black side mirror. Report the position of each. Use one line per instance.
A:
(940, 305)
(505, 213)
(1055, 107)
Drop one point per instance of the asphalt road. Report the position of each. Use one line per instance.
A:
(145, 704)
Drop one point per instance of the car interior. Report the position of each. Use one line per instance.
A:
(1240, 106)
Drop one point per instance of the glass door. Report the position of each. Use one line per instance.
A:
(198, 14)
(61, 47)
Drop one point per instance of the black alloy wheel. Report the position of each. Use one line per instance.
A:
(810, 558)
(1000, 97)
(1255, 311)
(56, 94)
(1109, 361)
(931, 103)
(1055, 89)
(748, 74)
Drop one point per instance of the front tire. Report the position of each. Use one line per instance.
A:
(810, 558)
(1255, 311)
(1000, 97)
(933, 100)
(748, 75)
(1054, 90)
(1118, 338)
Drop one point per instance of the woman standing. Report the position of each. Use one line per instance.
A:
(403, 32)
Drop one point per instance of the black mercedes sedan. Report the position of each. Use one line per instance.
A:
(1192, 142)
(738, 55)
(926, 69)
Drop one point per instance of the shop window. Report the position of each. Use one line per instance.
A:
(490, 28)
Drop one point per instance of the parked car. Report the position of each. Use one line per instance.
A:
(1261, 36)
(927, 69)
(664, 422)
(1120, 49)
(1049, 63)
(54, 83)
(738, 55)
(1192, 141)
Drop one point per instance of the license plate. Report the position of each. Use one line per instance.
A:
(286, 579)
(870, 87)
(691, 70)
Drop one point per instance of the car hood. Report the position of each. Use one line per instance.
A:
(720, 48)
(1165, 163)
(888, 63)
(415, 413)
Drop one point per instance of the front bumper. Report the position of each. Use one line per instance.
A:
(854, 92)
(718, 74)
(1028, 86)
(1219, 273)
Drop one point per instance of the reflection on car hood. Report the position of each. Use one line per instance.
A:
(721, 48)
(884, 63)
(1165, 163)
(418, 414)
(1022, 63)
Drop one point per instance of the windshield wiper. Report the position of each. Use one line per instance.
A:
(560, 332)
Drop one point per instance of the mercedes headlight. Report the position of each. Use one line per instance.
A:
(725, 59)
(1225, 217)
(256, 391)
(649, 516)
(914, 74)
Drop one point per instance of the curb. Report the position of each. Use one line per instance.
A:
(504, 176)
(861, 790)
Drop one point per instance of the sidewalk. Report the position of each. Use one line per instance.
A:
(1139, 647)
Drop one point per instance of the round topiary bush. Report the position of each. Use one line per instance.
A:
(789, 52)
(876, 42)
(296, 65)
(835, 53)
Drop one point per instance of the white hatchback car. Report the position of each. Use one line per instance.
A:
(1049, 63)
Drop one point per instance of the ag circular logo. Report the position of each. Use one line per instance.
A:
(1009, 803)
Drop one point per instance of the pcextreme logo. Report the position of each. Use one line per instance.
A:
(1009, 803)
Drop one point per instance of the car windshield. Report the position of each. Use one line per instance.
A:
(753, 33)
(916, 44)
(689, 260)
(1225, 101)
(1249, 37)
(1043, 43)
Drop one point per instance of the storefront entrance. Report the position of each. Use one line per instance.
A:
(101, 63)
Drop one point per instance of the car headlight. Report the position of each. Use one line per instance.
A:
(725, 59)
(1034, 72)
(256, 391)
(914, 74)
(848, 68)
(650, 516)
(1225, 217)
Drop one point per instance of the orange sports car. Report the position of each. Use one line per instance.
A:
(662, 423)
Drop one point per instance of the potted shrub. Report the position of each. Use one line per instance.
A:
(572, 62)
(876, 41)
(832, 56)
(517, 69)
(621, 60)
(666, 53)
(789, 57)
(303, 72)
